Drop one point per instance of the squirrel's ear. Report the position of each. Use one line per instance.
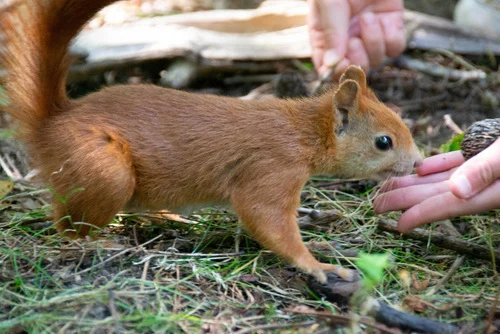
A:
(355, 73)
(347, 95)
(345, 102)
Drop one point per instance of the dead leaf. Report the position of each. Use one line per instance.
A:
(414, 303)
(419, 285)
(6, 187)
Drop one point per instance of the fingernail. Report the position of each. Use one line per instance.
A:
(331, 58)
(463, 186)
(368, 18)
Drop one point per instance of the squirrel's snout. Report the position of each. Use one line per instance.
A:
(418, 162)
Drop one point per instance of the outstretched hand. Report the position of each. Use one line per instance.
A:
(354, 32)
(445, 186)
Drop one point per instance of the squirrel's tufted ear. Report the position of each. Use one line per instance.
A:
(355, 73)
(347, 95)
(345, 102)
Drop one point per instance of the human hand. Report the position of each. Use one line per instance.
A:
(445, 186)
(359, 32)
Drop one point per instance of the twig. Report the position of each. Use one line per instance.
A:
(255, 93)
(394, 318)
(457, 58)
(441, 240)
(448, 121)
(275, 326)
(6, 168)
(136, 249)
(315, 218)
(192, 255)
(458, 262)
(144, 274)
(438, 70)
(344, 320)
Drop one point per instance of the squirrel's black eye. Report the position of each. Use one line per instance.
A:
(383, 143)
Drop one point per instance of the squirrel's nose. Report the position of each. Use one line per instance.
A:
(418, 162)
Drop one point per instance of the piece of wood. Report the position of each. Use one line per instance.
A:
(428, 32)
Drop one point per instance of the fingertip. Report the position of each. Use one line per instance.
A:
(340, 68)
(331, 58)
(377, 204)
(409, 220)
(373, 38)
(440, 163)
(393, 27)
(460, 186)
(403, 228)
(356, 53)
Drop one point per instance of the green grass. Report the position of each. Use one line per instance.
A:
(190, 277)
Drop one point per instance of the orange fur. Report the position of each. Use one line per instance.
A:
(148, 147)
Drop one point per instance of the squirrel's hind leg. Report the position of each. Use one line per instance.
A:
(93, 181)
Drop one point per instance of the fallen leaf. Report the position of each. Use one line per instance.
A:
(419, 285)
(414, 303)
(6, 187)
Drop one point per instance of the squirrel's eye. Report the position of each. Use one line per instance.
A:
(383, 143)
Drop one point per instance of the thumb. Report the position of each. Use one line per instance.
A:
(477, 173)
(331, 21)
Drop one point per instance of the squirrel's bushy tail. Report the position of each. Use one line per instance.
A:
(34, 52)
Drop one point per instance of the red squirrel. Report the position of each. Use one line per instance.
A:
(147, 148)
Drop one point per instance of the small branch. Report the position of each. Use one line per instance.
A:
(258, 92)
(457, 58)
(133, 249)
(458, 262)
(344, 320)
(438, 70)
(315, 218)
(255, 329)
(394, 318)
(341, 292)
(448, 121)
(441, 240)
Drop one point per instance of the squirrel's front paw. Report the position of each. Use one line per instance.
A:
(345, 273)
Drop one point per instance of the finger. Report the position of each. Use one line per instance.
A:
(373, 38)
(441, 162)
(412, 180)
(404, 198)
(328, 26)
(356, 53)
(315, 34)
(447, 205)
(340, 68)
(393, 29)
(358, 6)
(477, 173)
